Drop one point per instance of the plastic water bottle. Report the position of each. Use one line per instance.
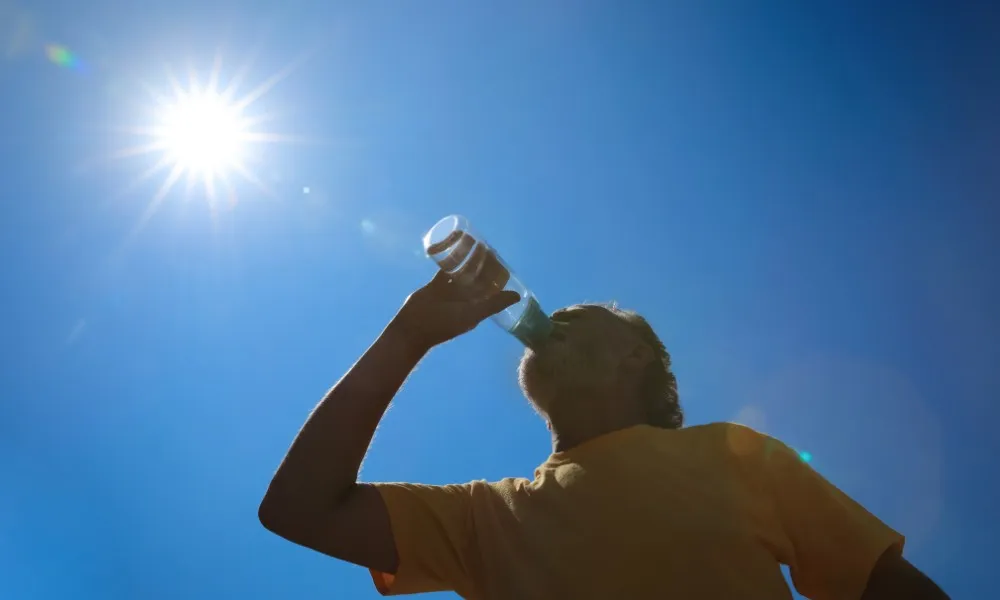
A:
(472, 263)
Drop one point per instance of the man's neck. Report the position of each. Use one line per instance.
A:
(566, 436)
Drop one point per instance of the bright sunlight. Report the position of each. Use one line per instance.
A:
(202, 133)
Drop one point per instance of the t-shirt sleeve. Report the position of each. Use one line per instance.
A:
(432, 529)
(833, 542)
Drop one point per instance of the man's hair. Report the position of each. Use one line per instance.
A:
(659, 386)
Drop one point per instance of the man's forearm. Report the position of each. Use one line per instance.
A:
(322, 463)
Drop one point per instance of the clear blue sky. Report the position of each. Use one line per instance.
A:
(801, 197)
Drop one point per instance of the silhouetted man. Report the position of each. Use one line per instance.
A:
(629, 504)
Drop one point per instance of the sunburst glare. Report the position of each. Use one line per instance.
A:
(205, 133)
(202, 133)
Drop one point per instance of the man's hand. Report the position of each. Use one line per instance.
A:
(444, 309)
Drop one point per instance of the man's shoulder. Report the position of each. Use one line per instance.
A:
(472, 495)
(723, 429)
(737, 438)
(473, 489)
(722, 426)
(505, 486)
(484, 493)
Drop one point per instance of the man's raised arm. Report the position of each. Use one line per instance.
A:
(314, 499)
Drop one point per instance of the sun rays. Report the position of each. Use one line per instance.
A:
(204, 133)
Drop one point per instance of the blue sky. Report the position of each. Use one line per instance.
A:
(801, 197)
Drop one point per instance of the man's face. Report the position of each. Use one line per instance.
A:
(585, 351)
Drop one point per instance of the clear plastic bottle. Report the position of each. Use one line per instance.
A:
(463, 254)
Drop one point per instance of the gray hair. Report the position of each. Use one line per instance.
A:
(659, 387)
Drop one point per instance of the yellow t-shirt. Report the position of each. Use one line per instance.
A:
(702, 512)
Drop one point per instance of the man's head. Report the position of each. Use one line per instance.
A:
(604, 361)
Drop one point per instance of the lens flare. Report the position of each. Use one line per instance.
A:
(62, 57)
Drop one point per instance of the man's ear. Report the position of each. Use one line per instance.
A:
(640, 356)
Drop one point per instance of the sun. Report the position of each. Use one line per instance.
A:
(203, 134)
(204, 131)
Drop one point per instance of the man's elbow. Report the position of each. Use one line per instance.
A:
(281, 514)
(271, 514)
(291, 516)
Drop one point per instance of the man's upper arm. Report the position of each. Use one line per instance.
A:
(894, 577)
(413, 538)
(357, 530)
(833, 542)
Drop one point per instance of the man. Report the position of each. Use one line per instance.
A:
(629, 504)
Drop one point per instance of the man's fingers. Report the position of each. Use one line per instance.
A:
(440, 279)
(498, 302)
(445, 287)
